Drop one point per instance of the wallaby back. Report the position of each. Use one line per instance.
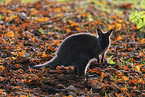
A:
(78, 49)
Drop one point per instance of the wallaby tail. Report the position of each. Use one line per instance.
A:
(53, 63)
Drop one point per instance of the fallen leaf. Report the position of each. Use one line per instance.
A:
(119, 38)
(125, 6)
(8, 1)
(11, 17)
(125, 78)
(1, 67)
(142, 41)
(10, 34)
(137, 68)
(44, 19)
(67, 31)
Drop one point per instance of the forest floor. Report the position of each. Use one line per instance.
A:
(26, 40)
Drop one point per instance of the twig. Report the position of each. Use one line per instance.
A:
(57, 19)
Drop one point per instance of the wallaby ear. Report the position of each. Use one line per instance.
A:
(99, 31)
(109, 32)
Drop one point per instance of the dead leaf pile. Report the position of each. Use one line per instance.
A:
(31, 33)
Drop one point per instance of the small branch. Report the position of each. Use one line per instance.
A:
(57, 19)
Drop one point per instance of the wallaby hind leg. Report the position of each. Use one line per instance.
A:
(81, 67)
(80, 70)
(102, 58)
(98, 60)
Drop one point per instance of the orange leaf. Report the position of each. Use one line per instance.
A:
(71, 68)
(18, 9)
(120, 21)
(12, 17)
(125, 6)
(120, 80)
(124, 89)
(57, 67)
(67, 31)
(84, 14)
(134, 27)
(143, 69)
(17, 65)
(115, 17)
(69, 96)
(37, 61)
(27, 47)
(64, 8)
(10, 34)
(126, 67)
(118, 26)
(33, 11)
(17, 87)
(43, 19)
(43, 70)
(70, 22)
(51, 9)
(44, 54)
(1, 67)
(103, 2)
(77, 28)
(119, 38)
(8, 1)
(23, 96)
(22, 53)
(125, 78)
(0, 60)
(130, 49)
(110, 26)
(142, 41)
(58, 10)
(132, 60)
(67, 68)
(24, 25)
(12, 27)
(38, 54)
(19, 47)
(137, 68)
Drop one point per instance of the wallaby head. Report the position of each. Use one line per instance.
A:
(103, 39)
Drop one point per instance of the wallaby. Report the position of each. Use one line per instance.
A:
(78, 49)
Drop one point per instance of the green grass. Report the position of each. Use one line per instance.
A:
(1, 1)
(1, 17)
(27, 1)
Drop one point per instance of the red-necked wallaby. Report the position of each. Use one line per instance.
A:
(78, 49)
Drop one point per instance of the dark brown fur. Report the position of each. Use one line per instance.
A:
(78, 49)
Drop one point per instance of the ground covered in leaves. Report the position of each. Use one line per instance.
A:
(30, 34)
